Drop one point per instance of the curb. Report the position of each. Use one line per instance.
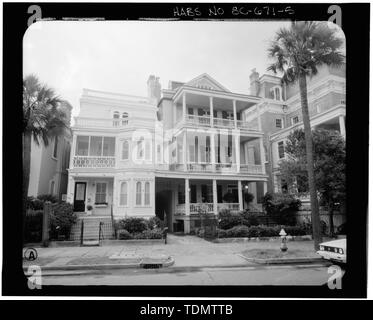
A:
(169, 262)
(283, 260)
(247, 239)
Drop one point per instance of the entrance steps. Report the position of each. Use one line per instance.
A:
(91, 229)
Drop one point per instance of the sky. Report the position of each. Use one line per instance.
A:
(119, 56)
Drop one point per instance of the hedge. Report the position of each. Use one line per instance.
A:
(260, 231)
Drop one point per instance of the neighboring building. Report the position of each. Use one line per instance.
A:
(192, 147)
(48, 167)
(134, 159)
(280, 112)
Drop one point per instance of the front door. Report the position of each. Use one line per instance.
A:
(79, 196)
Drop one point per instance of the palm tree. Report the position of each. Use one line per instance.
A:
(297, 53)
(43, 119)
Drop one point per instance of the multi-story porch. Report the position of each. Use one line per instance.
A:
(184, 200)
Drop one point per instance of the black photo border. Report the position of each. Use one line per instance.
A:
(355, 24)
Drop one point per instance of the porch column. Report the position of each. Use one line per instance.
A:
(259, 118)
(235, 113)
(212, 150)
(215, 196)
(187, 208)
(237, 149)
(187, 201)
(211, 112)
(262, 154)
(342, 127)
(240, 195)
(72, 152)
(70, 189)
(264, 187)
(185, 160)
(184, 106)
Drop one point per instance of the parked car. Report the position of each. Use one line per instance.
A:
(334, 250)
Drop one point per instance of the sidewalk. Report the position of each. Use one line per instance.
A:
(180, 252)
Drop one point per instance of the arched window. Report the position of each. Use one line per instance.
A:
(116, 118)
(138, 193)
(124, 118)
(123, 194)
(147, 193)
(125, 150)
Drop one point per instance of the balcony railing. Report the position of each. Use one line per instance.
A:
(209, 167)
(100, 123)
(93, 162)
(205, 121)
(197, 208)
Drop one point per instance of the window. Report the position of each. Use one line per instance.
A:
(138, 193)
(108, 147)
(279, 123)
(55, 147)
(95, 148)
(191, 154)
(275, 93)
(190, 111)
(147, 150)
(281, 150)
(116, 118)
(159, 154)
(100, 193)
(147, 193)
(125, 150)
(123, 194)
(82, 143)
(124, 118)
(140, 148)
(295, 120)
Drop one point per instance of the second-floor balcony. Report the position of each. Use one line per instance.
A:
(93, 162)
(219, 168)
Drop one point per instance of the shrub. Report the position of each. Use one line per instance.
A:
(155, 222)
(229, 197)
(238, 231)
(33, 226)
(260, 231)
(62, 219)
(282, 207)
(123, 234)
(228, 220)
(133, 224)
(34, 204)
(149, 234)
(249, 197)
(48, 197)
(249, 218)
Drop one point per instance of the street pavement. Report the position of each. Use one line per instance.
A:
(293, 275)
(187, 251)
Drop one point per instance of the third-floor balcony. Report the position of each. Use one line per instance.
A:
(86, 122)
(207, 121)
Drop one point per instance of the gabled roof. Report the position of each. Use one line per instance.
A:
(205, 81)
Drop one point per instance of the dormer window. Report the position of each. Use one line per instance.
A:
(276, 93)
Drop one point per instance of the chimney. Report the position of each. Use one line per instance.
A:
(154, 88)
(254, 82)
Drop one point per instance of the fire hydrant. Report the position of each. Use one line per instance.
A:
(283, 246)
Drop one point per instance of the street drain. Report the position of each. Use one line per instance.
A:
(151, 265)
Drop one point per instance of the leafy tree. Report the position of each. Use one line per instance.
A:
(281, 207)
(329, 163)
(43, 119)
(297, 53)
